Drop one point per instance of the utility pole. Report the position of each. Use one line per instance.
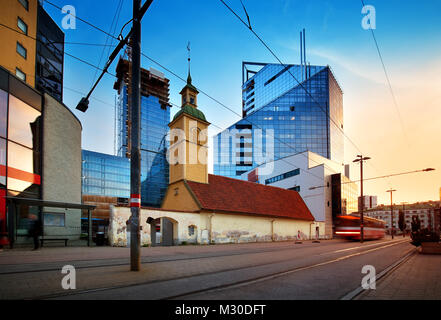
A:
(391, 212)
(361, 159)
(135, 154)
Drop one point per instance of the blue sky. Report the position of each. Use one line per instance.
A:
(408, 32)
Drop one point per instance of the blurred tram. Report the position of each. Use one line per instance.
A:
(348, 227)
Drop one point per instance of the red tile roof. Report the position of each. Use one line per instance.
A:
(232, 195)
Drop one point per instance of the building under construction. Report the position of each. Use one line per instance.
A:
(155, 117)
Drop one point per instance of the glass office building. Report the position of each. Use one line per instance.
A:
(154, 143)
(282, 118)
(105, 175)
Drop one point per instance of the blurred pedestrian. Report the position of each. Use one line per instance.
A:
(35, 230)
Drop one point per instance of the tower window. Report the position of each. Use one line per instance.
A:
(191, 99)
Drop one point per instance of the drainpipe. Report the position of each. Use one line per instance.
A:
(211, 227)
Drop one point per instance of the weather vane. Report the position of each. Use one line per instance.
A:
(189, 56)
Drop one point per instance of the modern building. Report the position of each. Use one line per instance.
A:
(33, 46)
(40, 162)
(426, 212)
(155, 117)
(370, 202)
(286, 110)
(105, 175)
(202, 208)
(321, 183)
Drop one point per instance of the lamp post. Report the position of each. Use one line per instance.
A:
(361, 159)
(391, 211)
(404, 216)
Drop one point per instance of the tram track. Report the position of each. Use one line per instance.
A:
(148, 260)
(229, 284)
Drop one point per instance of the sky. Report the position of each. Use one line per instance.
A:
(399, 137)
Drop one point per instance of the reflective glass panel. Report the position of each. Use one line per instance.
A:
(23, 123)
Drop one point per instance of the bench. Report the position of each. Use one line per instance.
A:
(54, 239)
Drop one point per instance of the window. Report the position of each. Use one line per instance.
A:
(191, 231)
(20, 74)
(297, 188)
(192, 99)
(24, 123)
(21, 50)
(22, 26)
(3, 113)
(25, 4)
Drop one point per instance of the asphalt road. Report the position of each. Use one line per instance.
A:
(326, 270)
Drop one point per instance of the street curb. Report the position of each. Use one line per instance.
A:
(353, 294)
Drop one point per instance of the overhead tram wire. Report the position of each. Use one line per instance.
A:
(82, 20)
(248, 26)
(284, 65)
(214, 99)
(179, 77)
(67, 53)
(112, 30)
(389, 83)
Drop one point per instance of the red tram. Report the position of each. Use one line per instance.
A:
(348, 227)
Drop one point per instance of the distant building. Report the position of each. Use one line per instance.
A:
(39, 62)
(320, 182)
(155, 116)
(426, 212)
(370, 202)
(287, 116)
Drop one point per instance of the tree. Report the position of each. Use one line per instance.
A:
(402, 222)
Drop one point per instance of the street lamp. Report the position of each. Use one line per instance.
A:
(391, 211)
(361, 159)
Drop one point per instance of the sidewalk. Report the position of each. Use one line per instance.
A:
(419, 278)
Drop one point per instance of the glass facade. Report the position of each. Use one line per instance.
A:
(344, 195)
(105, 175)
(20, 163)
(50, 56)
(282, 119)
(154, 144)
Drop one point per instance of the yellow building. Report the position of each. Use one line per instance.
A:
(19, 47)
(202, 208)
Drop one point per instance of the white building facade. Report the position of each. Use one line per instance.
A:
(426, 216)
(312, 176)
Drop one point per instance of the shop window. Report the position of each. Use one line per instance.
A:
(22, 173)
(3, 112)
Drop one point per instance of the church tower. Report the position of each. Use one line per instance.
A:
(188, 139)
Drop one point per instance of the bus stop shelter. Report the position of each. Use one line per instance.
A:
(15, 203)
